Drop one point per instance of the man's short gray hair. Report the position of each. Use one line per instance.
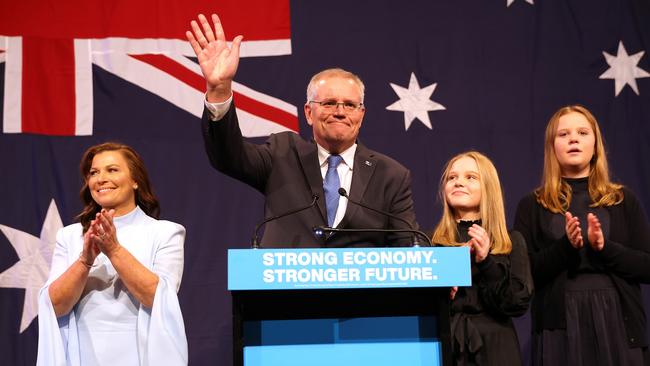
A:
(311, 87)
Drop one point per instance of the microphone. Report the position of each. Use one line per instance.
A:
(255, 240)
(321, 232)
(416, 242)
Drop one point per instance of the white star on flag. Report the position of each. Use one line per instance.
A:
(415, 102)
(33, 267)
(623, 69)
(509, 2)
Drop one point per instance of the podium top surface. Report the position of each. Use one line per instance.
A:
(347, 268)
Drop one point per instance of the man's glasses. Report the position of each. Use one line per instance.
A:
(331, 105)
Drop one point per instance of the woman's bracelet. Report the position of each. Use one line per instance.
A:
(86, 264)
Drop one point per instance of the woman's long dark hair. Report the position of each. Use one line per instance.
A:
(144, 196)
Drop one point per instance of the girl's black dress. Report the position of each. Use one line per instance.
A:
(481, 325)
(587, 308)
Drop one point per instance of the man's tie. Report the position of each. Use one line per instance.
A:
(331, 187)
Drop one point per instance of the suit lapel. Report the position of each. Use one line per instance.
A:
(308, 157)
(364, 167)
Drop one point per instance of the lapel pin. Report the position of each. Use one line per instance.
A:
(368, 163)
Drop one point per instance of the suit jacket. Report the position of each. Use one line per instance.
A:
(286, 170)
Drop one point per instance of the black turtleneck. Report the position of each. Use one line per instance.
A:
(580, 206)
(463, 227)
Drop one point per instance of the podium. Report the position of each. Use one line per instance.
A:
(344, 306)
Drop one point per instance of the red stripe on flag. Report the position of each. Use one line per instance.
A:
(48, 86)
(255, 19)
(267, 112)
(197, 82)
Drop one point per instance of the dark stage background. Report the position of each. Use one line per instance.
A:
(500, 71)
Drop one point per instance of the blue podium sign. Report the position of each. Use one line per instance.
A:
(302, 269)
(344, 306)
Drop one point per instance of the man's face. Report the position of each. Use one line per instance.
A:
(335, 128)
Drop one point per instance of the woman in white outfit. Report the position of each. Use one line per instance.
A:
(111, 294)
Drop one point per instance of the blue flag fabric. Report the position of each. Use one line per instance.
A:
(441, 78)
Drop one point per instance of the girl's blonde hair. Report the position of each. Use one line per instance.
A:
(493, 218)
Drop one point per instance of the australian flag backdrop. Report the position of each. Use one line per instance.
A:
(441, 77)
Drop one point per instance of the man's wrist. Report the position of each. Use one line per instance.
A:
(218, 94)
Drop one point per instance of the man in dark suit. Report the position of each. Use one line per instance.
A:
(291, 171)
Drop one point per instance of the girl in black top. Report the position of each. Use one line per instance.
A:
(481, 325)
(589, 247)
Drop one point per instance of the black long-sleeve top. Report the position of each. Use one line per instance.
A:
(501, 284)
(625, 258)
(481, 314)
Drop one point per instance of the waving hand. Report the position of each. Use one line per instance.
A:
(218, 62)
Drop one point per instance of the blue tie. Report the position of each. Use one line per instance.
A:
(331, 187)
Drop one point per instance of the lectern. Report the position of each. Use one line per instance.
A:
(335, 307)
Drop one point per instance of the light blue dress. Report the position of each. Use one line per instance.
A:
(109, 326)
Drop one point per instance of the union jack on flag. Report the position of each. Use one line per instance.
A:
(49, 54)
(76, 73)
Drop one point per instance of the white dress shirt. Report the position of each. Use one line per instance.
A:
(216, 111)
